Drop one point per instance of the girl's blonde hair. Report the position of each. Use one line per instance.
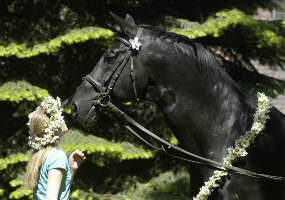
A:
(36, 126)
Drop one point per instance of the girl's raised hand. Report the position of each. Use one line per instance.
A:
(76, 158)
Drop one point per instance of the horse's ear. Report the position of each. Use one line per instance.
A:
(127, 26)
(130, 20)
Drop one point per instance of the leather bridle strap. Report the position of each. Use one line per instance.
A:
(204, 161)
(123, 41)
(133, 78)
(114, 69)
(95, 84)
(117, 73)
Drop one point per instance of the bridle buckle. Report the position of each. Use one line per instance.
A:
(103, 100)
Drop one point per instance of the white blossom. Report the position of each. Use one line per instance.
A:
(53, 108)
(135, 43)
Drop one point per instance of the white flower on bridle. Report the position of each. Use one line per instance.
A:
(52, 107)
(239, 150)
(135, 43)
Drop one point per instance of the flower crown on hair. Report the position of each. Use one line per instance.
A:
(52, 107)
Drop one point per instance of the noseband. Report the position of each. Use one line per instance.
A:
(105, 101)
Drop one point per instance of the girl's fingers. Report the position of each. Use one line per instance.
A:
(80, 154)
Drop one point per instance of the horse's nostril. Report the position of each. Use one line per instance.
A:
(73, 108)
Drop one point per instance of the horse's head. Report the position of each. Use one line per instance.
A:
(118, 75)
(148, 63)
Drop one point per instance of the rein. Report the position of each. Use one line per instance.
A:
(165, 146)
(104, 100)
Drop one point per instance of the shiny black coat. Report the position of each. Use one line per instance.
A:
(204, 107)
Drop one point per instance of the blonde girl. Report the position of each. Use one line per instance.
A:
(49, 171)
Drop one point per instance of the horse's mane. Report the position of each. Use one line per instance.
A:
(206, 61)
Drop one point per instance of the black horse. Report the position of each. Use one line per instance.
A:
(204, 107)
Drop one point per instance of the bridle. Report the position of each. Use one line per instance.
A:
(105, 91)
(104, 100)
(106, 88)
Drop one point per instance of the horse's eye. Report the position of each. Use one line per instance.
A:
(110, 56)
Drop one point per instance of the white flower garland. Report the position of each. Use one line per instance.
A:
(53, 108)
(239, 150)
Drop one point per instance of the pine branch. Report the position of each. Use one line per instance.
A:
(53, 46)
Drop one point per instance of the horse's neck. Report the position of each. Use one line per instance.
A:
(206, 111)
(198, 104)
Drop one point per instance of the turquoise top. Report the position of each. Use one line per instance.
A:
(56, 158)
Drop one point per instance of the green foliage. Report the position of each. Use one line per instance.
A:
(19, 193)
(169, 185)
(270, 86)
(52, 46)
(11, 170)
(16, 182)
(130, 151)
(102, 149)
(213, 26)
(263, 40)
(1, 192)
(126, 3)
(223, 20)
(13, 159)
(75, 138)
(20, 91)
